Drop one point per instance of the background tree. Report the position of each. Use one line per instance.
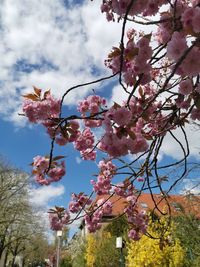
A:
(188, 232)
(20, 223)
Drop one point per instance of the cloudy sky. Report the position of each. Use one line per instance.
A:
(56, 44)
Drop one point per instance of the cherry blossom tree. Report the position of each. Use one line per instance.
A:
(159, 73)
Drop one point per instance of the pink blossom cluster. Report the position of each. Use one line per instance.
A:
(124, 189)
(127, 128)
(45, 109)
(195, 114)
(135, 60)
(169, 21)
(138, 220)
(93, 104)
(119, 141)
(38, 108)
(176, 48)
(103, 183)
(85, 143)
(58, 220)
(66, 133)
(185, 87)
(79, 202)
(190, 19)
(165, 28)
(45, 175)
(182, 15)
(93, 219)
(187, 24)
(119, 7)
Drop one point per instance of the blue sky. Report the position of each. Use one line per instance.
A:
(57, 44)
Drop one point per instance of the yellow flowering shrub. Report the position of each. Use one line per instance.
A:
(161, 250)
(90, 250)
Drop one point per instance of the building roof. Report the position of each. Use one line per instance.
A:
(179, 204)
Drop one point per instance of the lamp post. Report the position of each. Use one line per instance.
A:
(59, 235)
(120, 245)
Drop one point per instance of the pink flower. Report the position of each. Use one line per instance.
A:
(57, 221)
(140, 179)
(132, 234)
(78, 202)
(88, 154)
(139, 145)
(44, 176)
(196, 20)
(187, 18)
(39, 109)
(122, 116)
(191, 18)
(191, 65)
(105, 205)
(177, 46)
(90, 106)
(195, 114)
(85, 140)
(185, 87)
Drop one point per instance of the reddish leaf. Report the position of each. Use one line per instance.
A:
(148, 36)
(116, 105)
(37, 91)
(114, 53)
(131, 134)
(70, 130)
(140, 91)
(59, 209)
(47, 93)
(132, 53)
(32, 97)
(58, 157)
(52, 211)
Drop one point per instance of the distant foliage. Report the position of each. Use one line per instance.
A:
(118, 227)
(101, 250)
(188, 232)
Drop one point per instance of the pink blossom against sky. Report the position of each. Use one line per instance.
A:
(50, 44)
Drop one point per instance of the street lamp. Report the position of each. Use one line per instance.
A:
(59, 235)
(120, 245)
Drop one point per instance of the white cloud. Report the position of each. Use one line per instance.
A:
(118, 95)
(78, 160)
(45, 44)
(42, 195)
(40, 198)
(171, 148)
(191, 186)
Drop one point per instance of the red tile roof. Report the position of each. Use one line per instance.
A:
(189, 204)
